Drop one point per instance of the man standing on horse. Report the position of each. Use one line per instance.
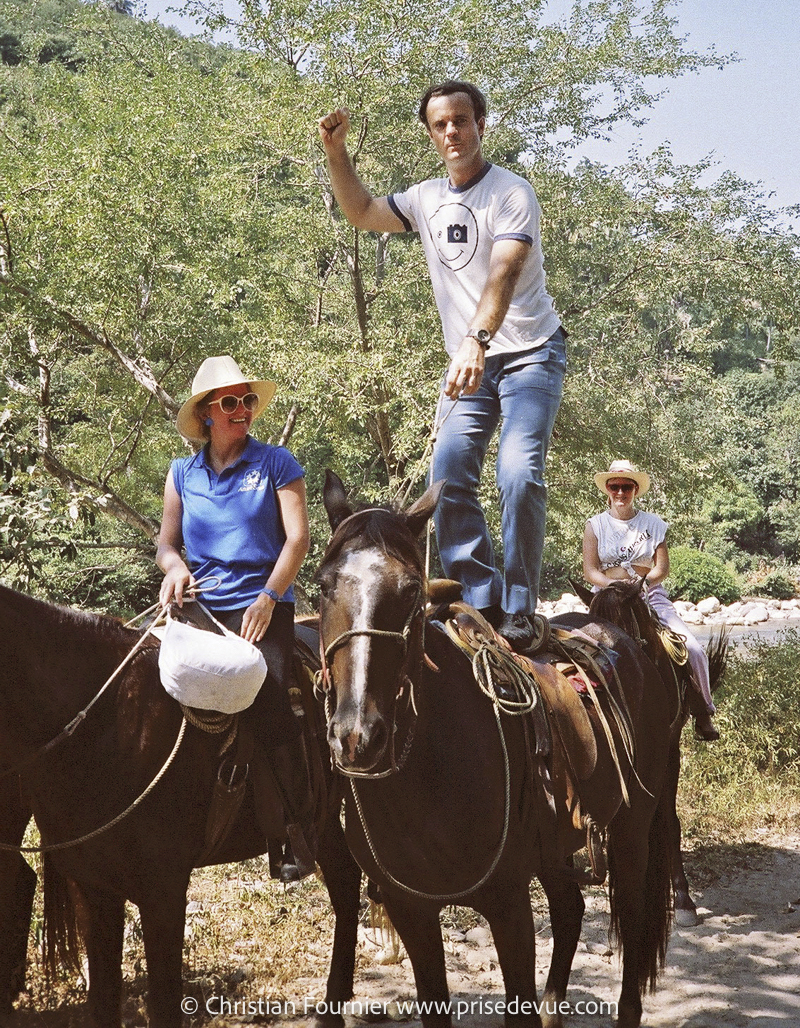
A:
(479, 228)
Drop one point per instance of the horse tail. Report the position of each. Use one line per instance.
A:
(60, 926)
(717, 652)
(657, 899)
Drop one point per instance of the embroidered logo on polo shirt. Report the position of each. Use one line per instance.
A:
(252, 482)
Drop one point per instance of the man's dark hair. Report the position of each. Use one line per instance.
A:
(447, 89)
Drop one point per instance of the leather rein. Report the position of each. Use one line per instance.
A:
(324, 681)
(65, 733)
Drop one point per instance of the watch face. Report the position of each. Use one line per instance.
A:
(483, 336)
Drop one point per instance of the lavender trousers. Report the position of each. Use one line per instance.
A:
(698, 659)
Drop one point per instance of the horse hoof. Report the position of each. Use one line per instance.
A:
(329, 1020)
(687, 918)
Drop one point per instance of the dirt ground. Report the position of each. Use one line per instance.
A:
(739, 967)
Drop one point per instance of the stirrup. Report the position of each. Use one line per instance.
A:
(304, 862)
(595, 840)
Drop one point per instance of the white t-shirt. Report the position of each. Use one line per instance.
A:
(622, 544)
(458, 227)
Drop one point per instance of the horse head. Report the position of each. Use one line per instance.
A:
(623, 605)
(372, 605)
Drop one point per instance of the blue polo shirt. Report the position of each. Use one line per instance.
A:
(231, 522)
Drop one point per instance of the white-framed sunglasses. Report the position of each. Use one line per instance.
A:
(229, 403)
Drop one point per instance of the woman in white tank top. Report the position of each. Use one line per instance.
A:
(626, 543)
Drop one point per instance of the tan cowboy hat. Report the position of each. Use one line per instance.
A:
(623, 469)
(217, 373)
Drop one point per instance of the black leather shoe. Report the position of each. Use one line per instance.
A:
(517, 630)
(494, 614)
(705, 729)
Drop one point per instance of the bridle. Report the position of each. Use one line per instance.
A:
(324, 678)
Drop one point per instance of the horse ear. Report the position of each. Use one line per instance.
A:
(334, 496)
(419, 513)
(582, 592)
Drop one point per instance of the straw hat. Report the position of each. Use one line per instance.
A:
(622, 469)
(217, 373)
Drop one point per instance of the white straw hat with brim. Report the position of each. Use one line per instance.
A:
(218, 373)
(623, 469)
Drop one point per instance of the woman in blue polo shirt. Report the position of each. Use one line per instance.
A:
(238, 510)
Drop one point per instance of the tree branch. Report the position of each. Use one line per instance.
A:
(139, 368)
(91, 493)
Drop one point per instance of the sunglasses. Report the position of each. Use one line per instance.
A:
(229, 403)
(620, 487)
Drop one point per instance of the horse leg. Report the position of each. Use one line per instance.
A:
(343, 880)
(566, 904)
(511, 921)
(685, 910)
(17, 891)
(163, 915)
(101, 919)
(418, 926)
(17, 888)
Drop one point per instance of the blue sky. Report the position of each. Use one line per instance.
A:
(747, 116)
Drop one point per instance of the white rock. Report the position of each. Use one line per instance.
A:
(710, 605)
(692, 616)
(757, 615)
(479, 936)
(681, 605)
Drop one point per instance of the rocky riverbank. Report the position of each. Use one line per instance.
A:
(747, 612)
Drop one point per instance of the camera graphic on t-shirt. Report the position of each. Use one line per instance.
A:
(456, 233)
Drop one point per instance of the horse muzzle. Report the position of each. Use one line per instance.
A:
(358, 739)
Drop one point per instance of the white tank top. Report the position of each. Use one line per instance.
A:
(622, 544)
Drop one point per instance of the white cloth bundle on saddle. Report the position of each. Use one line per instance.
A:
(208, 670)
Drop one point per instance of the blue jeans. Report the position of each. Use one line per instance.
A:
(524, 389)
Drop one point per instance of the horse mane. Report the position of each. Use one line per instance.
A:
(85, 624)
(621, 603)
(381, 527)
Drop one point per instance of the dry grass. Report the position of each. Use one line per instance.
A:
(251, 939)
(247, 938)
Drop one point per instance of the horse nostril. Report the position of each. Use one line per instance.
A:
(378, 737)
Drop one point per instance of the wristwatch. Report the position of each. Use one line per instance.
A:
(273, 595)
(481, 336)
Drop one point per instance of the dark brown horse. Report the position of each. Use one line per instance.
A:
(53, 662)
(622, 604)
(444, 805)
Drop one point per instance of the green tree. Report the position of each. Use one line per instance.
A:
(163, 199)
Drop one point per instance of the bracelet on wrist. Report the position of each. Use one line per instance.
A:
(275, 597)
